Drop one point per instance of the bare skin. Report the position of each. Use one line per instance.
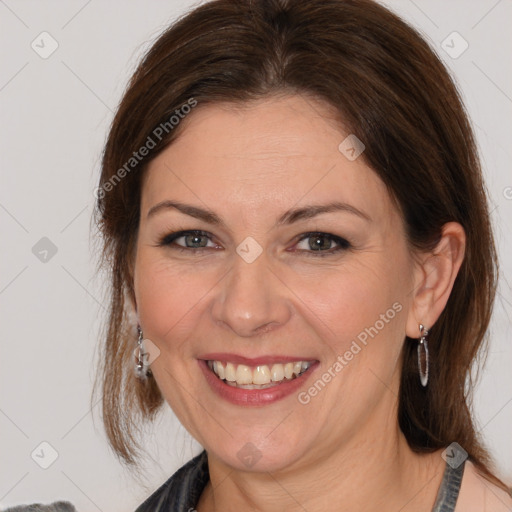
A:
(343, 449)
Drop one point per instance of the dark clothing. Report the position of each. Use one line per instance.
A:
(182, 491)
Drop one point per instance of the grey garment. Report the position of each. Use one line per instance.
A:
(449, 490)
(182, 491)
(57, 506)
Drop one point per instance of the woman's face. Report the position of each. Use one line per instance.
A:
(275, 276)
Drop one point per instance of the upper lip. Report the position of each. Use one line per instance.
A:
(257, 361)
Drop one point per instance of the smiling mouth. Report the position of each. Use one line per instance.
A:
(258, 377)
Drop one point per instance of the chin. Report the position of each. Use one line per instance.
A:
(258, 454)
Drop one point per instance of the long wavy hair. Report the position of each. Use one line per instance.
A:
(393, 92)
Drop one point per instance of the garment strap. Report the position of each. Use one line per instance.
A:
(449, 489)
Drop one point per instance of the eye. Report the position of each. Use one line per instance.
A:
(323, 244)
(183, 240)
(312, 244)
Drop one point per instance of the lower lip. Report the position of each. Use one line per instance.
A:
(254, 397)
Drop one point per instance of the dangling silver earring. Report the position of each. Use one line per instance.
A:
(423, 355)
(140, 354)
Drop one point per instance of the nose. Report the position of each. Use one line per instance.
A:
(251, 300)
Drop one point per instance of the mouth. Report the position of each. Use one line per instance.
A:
(255, 382)
(261, 376)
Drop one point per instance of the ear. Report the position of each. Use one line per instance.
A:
(434, 276)
(130, 284)
(130, 298)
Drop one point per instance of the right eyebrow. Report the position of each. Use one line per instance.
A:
(193, 211)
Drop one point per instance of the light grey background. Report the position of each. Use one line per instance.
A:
(55, 113)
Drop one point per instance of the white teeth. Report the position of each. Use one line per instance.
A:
(260, 376)
(219, 369)
(243, 374)
(277, 372)
(230, 372)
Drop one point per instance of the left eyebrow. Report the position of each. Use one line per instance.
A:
(307, 212)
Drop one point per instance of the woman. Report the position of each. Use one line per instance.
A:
(302, 263)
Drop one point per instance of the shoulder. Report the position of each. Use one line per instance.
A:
(477, 494)
(182, 490)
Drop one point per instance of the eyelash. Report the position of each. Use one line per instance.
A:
(343, 245)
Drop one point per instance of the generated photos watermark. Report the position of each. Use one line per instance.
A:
(454, 455)
(351, 147)
(249, 455)
(151, 142)
(342, 360)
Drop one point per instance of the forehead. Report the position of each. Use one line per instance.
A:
(269, 155)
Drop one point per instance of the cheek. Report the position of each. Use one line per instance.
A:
(360, 312)
(168, 296)
(353, 297)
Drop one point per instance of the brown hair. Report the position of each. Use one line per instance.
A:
(392, 91)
